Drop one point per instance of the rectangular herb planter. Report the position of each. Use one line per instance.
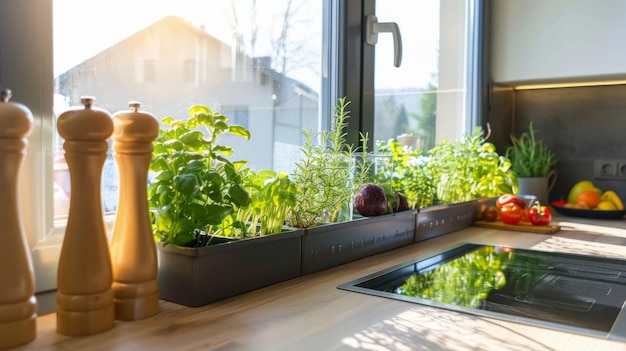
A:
(442, 219)
(333, 244)
(198, 276)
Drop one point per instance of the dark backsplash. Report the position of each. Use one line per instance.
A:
(579, 124)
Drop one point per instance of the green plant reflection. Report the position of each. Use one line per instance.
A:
(465, 281)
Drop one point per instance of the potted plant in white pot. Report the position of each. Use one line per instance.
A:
(209, 213)
(533, 163)
(327, 177)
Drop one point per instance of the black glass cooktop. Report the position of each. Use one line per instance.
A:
(577, 293)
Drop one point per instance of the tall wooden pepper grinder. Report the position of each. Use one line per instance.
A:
(18, 305)
(85, 297)
(133, 251)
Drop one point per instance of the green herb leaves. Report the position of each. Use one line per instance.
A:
(198, 191)
(530, 157)
(470, 168)
(403, 169)
(327, 176)
(196, 186)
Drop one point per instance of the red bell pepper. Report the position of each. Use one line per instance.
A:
(510, 199)
(539, 214)
(511, 213)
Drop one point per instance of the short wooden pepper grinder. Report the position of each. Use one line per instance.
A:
(85, 297)
(18, 305)
(133, 251)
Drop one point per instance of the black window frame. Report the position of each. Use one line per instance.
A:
(354, 74)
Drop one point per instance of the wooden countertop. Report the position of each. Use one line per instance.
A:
(310, 313)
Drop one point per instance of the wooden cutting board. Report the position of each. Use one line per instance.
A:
(521, 227)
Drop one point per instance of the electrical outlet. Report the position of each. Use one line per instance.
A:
(609, 169)
(621, 170)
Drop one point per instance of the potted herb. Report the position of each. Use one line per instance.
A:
(195, 186)
(469, 168)
(466, 173)
(273, 196)
(533, 163)
(199, 197)
(326, 178)
(402, 169)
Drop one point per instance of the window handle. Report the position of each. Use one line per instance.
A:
(373, 27)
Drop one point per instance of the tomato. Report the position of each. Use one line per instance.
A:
(511, 213)
(559, 203)
(490, 214)
(525, 215)
(540, 215)
(508, 199)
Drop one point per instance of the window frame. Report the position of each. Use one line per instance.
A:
(26, 66)
(356, 69)
(28, 71)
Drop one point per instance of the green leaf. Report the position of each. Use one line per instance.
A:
(198, 211)
(239, 195)
(266, 174)
(174, 144)
(187, 183)
(165, 176)
(168, 120)
(224, 150)
(196, 166)
(217, 213)
(199, 109)
(214, 178)
(239, 164)
(231, 173)
(159, 164)
(219, 125)
(194, 139)
(239, 131)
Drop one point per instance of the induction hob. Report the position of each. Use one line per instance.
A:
(571, 292)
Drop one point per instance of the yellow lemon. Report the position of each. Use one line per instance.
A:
(606, 206)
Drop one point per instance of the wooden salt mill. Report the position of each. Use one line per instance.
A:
(18, 305)
(85, 297)
(133, 251)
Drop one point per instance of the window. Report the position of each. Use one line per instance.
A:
(189, 71)
(148, 70)
(237, 115)
(275, 66)
(435, 92)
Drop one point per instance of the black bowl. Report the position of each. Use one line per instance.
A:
(596, 214)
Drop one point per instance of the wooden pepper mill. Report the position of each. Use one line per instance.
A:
(18, 305)
(85, 297)
(133, 251)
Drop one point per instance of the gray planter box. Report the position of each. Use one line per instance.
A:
(334, 244)
(195, 277)
(438, 220)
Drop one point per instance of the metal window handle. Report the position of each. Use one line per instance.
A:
(373, 27)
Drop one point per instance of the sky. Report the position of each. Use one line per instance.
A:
(419, 29)
(83, 28)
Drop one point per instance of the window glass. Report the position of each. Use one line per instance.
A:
(258, 62)
(424, 98)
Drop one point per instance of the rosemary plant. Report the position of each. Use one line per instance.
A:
(327, 175)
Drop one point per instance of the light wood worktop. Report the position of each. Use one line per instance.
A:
(310, 313)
